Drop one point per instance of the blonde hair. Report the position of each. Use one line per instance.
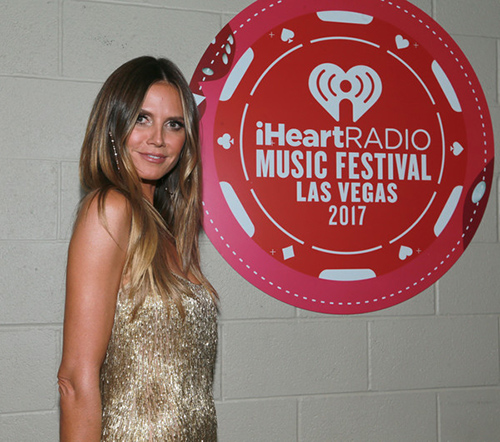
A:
(175, 215)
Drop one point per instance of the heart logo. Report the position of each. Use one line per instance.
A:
(287, 35)
(330, 85)
(405, 252)
(457, 148)
(401, 42)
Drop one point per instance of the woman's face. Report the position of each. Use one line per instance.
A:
(158, 136)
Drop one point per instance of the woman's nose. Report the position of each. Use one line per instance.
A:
(156, 136)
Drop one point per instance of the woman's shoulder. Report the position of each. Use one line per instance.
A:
(110, 202)
(108, 209)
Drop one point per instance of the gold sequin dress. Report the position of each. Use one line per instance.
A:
(157, 376)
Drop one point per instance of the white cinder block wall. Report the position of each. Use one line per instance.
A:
(426, 370)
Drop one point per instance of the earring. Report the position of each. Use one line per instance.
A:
(169, 192)
(114, 149)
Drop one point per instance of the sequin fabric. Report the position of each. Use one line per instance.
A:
(157, 376)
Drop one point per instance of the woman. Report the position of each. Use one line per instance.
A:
(140, 326)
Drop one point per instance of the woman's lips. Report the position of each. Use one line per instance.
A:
(153, 158)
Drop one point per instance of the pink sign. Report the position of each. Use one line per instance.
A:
(347, 151)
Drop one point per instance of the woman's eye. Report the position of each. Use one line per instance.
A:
(142, 119)
(175, 124)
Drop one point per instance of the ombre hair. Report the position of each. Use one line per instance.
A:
(175, 215)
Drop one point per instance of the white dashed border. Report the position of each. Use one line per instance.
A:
(358, 303)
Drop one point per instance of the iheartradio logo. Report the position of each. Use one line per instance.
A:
(330, 85)
(362, 189)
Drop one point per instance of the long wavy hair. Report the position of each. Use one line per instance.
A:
(175, 215)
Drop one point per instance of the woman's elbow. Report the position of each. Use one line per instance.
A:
(77, 384)
(66, 387)
(80, 405)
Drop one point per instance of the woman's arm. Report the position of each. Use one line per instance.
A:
(95, 263)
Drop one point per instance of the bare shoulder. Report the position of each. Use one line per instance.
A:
(108, 213)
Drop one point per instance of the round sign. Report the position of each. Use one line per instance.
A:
(347, 151)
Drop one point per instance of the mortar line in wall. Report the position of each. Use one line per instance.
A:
(151, 6)
(436, 298)
(436, 303)
(298, 404)
(345, 394)
(368, 354)
(59, 201)
(29, 326)
(57, 360)
(60, 37)
(499, 344)
(50, 78)
(498, 71)
(358, 319)
(221, 343)
(438, 418)
(32, 412)
(34, 241)
(40, 159)
(293, 320)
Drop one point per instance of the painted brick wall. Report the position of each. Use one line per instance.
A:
(425, 370)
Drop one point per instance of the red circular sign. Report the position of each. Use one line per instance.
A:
(347, 151)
